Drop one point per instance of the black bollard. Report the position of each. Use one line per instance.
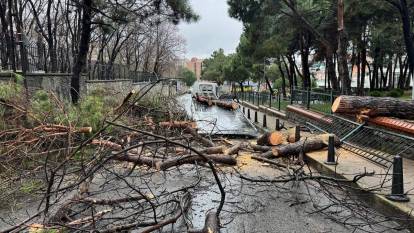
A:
(297, 133)
(277, 124)
(248, 113)
(397, 190)
(255, 117)
(331, 151)
(244, 110)
(264, 121)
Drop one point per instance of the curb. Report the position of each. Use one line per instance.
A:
(378, 202)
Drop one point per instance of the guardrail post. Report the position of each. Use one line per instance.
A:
(264, 120)
(277, 128)
(279, 100)
(248, 113)
(297, 133)
(270, 100)
(255, 117)
(397, 190)
(331, 99)
(244, 110)
(331, 151)
(308, 95)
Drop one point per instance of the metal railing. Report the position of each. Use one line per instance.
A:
(317, 100)
(98, 71)
(377, 145)
(276, 101)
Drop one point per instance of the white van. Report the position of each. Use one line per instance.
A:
(205, 88)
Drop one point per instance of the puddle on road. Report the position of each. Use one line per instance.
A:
(215, 120)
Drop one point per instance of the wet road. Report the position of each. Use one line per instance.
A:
(215, 120)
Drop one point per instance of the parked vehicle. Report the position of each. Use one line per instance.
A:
(206, 89)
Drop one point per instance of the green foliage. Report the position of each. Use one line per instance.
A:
(187, 76)
(396, 93)
(30, 186)
(214, 67)
(10, 90)
(42, 106)
(91, 112)
(375, 93)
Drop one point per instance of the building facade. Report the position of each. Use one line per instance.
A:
(196, 66)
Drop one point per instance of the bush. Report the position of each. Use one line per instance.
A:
(375, 93)
(396, 93)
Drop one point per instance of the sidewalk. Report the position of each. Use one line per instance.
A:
(350, 164)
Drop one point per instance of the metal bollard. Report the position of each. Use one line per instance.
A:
(248, 113)
(264, 121)
(397, 190)
(331, 151)
(255, 117)
(277, 124)
(297, 133)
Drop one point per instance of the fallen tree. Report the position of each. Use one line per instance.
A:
(161, 164)
(226, 105)
(270, 139)
(306, 145)
(374, 106)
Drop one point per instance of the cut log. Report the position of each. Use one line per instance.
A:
(268, 154)
(260, 148)
(204, 100)
(226, 105)
(178, 124)
(311, 144)
(234, 149)
(270, 139)
(62, 128)
(213, 150)
(374, 106)
(199, 138)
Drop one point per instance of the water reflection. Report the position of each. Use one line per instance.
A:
(215, 120)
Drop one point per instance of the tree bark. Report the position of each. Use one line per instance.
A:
(83, 49)
(374, 106)
(408, 37)
(342, 53)
(308, 145)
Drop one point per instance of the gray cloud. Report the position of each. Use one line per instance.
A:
(214, 30)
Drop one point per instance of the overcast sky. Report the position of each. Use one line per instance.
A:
(214, 30)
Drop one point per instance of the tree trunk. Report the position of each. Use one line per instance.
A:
(374, 106)
(408, 37)
(342, 53)
(305, 61)
(83, 49)
(5, 32)
(331, 70)
(308, 145)
(363, 66)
